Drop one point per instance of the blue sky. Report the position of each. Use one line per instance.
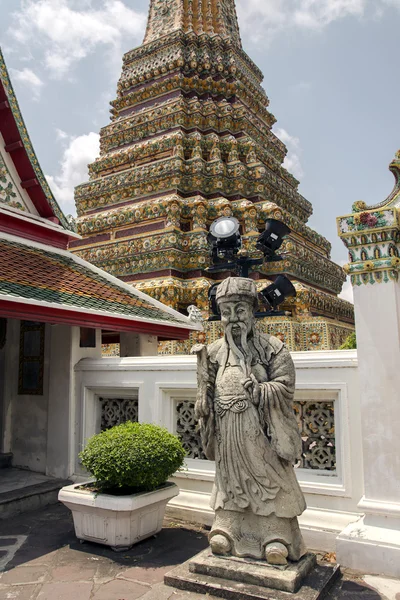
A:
(330, 67)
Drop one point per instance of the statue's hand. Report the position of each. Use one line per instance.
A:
(252, 387)
(201, 408)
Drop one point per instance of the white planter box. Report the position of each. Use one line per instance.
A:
(116, 521)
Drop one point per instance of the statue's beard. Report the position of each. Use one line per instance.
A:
(242, 351)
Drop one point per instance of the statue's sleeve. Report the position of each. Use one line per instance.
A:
(204, 407)
(276, 406)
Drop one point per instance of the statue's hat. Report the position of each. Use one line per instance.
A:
(237, 286)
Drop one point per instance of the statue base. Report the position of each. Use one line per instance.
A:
(247, 579)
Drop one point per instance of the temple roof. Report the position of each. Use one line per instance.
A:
(213, 17)
(29, 181)
(44, 283)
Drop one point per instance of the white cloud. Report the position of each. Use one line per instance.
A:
(68, 31)
(78, 154)
(302, 87)
(292, 161)
(61, 135)
(395, 3)
(347, 291)
(316, 14)
(265, 18)
(29, 78)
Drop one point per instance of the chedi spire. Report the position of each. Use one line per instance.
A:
(212, 17)
(190, 140)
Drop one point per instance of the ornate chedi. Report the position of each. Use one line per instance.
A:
(190, 140)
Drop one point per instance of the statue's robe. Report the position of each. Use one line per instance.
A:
(256, 496)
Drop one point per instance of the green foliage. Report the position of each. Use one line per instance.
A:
(132, 457)
(350, 343)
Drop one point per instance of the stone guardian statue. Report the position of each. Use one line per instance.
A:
(246, 383)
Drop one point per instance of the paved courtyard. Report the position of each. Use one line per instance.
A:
(42, 560)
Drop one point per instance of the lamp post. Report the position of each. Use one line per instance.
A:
(225, 244)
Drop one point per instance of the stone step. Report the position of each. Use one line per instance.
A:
(30, 498)
(5, 460)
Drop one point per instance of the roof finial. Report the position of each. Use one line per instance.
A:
(212, 17)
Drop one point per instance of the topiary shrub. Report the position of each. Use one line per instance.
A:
(132, 458)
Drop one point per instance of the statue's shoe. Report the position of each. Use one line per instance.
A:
(220, 544)
(276, 554)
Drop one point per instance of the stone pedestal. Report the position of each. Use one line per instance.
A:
(247, 579)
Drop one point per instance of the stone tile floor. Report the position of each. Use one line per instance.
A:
(42, 560)
(16, 479)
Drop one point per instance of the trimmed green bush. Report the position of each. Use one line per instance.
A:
(132, 458)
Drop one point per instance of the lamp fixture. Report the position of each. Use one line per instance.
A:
(272, 238)
(277, 292)
(215, 314)
(225, 242)
(224, 239)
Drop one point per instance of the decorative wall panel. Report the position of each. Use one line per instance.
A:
(187, 429)
(316, 421)
(115, 411)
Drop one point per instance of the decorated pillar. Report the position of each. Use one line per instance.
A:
(372, 236)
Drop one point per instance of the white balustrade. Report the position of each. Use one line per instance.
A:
(162, 390)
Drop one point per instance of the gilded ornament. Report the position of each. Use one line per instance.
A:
(395, 262)
(346, 268)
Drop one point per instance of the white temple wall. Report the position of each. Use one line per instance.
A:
(161, 389)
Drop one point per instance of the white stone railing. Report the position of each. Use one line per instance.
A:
(162, 390)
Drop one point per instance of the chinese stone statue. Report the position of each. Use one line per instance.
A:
(246, 383)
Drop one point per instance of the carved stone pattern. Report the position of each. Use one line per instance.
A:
(316, 422)
(187, 430)
(115, 411)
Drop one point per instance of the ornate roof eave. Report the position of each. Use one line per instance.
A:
(67, 289)
(372, 236)
(47, 204)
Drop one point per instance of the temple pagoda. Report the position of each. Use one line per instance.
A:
(190, 139)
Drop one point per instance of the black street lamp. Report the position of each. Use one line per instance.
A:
(225, 243)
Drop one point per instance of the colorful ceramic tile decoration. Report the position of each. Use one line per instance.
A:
(190, 140)
(8, 191)
(372, 236)
(61, 279)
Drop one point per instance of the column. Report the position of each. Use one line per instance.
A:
(65, 352)
(372, 544)
(138, 344)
